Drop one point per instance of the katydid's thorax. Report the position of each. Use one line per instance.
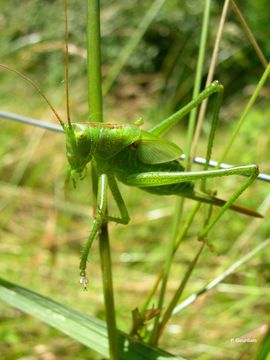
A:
(101, 141)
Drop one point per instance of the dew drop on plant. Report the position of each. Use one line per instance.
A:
(84, 282)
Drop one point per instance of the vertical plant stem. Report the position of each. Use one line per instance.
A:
(210, 76)
(211, 137)
(178, 239)
(94, 61)
(186, 226)
(167, 267)
(96, 115)
(197, 83)
(179, 292)
(180, 203)
(105, 256)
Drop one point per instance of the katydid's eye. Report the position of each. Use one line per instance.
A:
(139, 122)
(81, 135)
(135, 145)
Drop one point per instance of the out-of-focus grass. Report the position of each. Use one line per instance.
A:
(42, 230)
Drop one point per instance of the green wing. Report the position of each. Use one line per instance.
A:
(157, 151)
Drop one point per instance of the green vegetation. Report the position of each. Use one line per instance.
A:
(42, 230)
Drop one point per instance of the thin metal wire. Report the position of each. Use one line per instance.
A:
(36, 87)
(57, 128)
(201, 161)
(30, 121)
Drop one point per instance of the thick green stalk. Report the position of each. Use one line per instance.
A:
(96, 115)
(105, 256)
(94, 61)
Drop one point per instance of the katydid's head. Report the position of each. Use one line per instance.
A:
(79, 152)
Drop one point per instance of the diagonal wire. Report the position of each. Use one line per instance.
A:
(57, 128)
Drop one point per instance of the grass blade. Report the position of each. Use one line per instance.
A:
(264, 349)
(83, 328)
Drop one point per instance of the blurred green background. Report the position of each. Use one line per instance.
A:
(42, 230)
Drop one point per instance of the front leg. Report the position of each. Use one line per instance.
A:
(124, 217)
(99, 219)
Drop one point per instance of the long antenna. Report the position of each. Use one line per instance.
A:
(66, 58)
(31, 82)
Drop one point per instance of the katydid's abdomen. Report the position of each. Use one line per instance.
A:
(127, 163)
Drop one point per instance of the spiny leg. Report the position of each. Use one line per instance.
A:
(100, 218)
(158, 178)
(164, 126)
(253, 172)
(155, 179)
(124, 219)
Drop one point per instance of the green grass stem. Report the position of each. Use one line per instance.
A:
(167, 267)
(94, 61)
(179, 237)
(180, 203)
(210, 76)
(169, 310)
(96, 115)
(106, 265)
(197, 82)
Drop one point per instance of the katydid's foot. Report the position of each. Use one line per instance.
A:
(211, 246)
(83, 174)
(83, 280)
(139, 122)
